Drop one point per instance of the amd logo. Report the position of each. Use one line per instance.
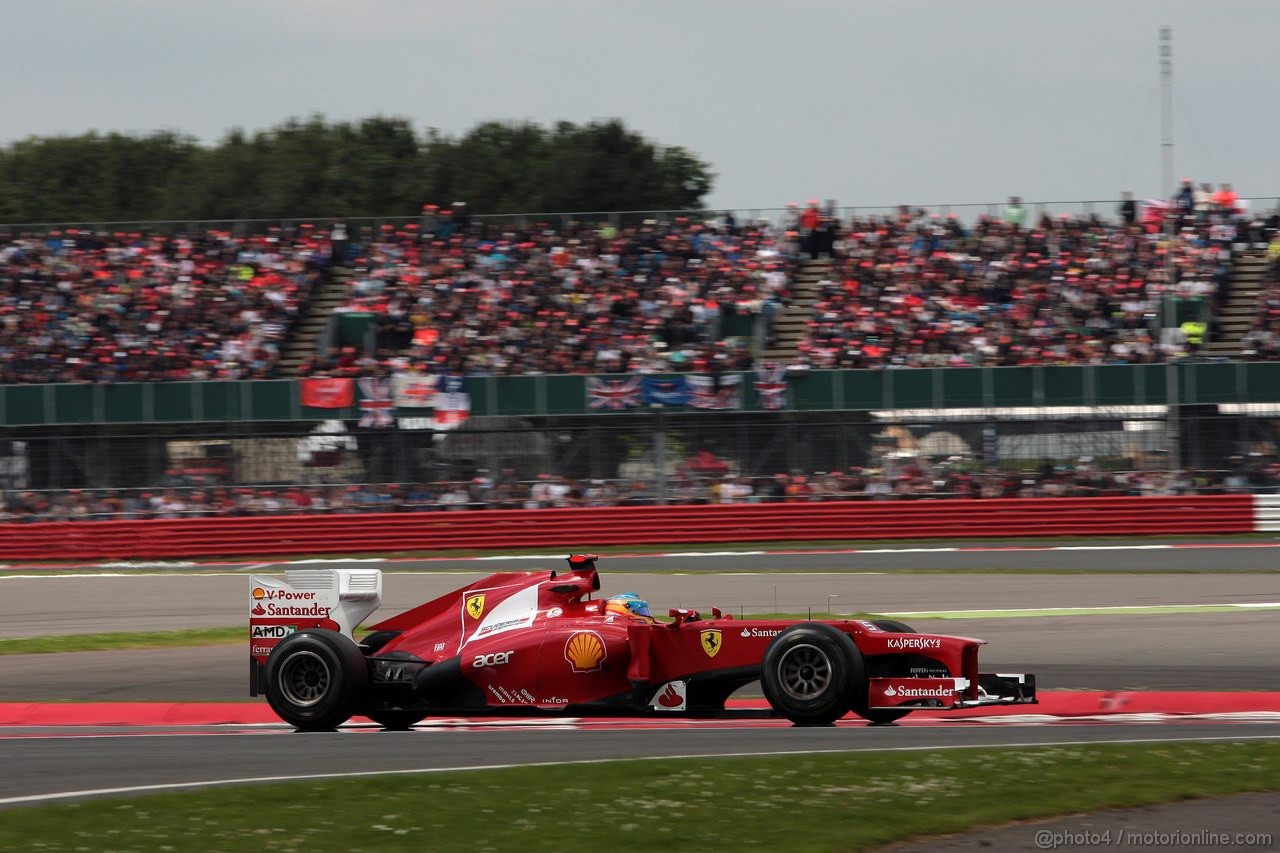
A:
(270, 632)
(495, 659)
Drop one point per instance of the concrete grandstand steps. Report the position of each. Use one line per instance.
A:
(1235, 318)
(790, 328)
(330, 293)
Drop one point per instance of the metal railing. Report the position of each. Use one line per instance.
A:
(965, 211)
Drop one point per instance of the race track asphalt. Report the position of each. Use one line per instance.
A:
(1200, 651)
(1203, 651)
(1183, 651)
(85, 764)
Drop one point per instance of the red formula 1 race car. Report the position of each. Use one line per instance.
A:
(542, 642)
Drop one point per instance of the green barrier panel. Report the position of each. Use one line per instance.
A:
(272, 400)
(1208, 383)
(73, 404)
(819, 390)
(863, 389)
(566, 395)
(1012, 386)
(1061, 386)
(813, 391)
(176, 401)
(1116, 385)
(24, 405)
(962, 387)
(911, 389)
(1154, 381)
(1262, 381)
(123, 404)
(218, 401)
(516, 395)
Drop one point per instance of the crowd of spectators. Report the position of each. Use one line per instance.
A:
(909, 479)
(1262, 341)
(81, 306)
(497, 300)
(452, 295)
(915, 289)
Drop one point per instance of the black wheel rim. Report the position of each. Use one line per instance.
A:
(304, 679)
(804, 672)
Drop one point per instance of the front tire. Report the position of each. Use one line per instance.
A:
(811, 673)
(316, 679)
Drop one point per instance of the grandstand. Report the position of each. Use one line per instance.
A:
(671, 292)
(525, 309)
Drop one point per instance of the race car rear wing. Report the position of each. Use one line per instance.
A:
(336, 599)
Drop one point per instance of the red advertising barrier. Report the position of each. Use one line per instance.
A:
(590, 527)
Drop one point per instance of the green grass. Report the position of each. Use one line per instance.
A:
(846, 801)
(124, 640)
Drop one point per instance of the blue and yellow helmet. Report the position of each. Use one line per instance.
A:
(627, 604)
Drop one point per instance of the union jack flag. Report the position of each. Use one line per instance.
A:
(376, 403)
(771, 385)
(704, 393)
(613, 393)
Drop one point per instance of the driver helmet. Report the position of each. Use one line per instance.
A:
(628, 604)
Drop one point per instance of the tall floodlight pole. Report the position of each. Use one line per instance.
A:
(1166, 109)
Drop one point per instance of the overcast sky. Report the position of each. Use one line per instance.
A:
(863, 101)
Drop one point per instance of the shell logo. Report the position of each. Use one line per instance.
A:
(585, 651)
(259, 593)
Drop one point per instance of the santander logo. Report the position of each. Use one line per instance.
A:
(670, 697)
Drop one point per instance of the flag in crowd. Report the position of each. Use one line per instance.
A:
(328, 393)
(376, 404)
(452, 402)
(613, 394)
(715, 392)
(415, 390)
(771, 385)
(666, 390)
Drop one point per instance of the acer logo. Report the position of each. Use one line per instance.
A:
(495, 659)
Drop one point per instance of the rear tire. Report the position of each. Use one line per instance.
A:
(811, 673)
(316, 679)
(886, 716)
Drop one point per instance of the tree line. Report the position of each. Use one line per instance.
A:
(374, 167)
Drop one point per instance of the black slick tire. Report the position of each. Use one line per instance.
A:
(316, 679)
(811, 674)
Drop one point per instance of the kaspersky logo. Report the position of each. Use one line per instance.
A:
(585, 651)
(475, 606)
(914, 643)
(710, 640)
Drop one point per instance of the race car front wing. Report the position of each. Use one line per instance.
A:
(944, 693)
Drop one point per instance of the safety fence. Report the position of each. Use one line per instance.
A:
(953, 389)
(586, 528)
(357, 226)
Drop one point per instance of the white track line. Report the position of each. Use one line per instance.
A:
(356, 774)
